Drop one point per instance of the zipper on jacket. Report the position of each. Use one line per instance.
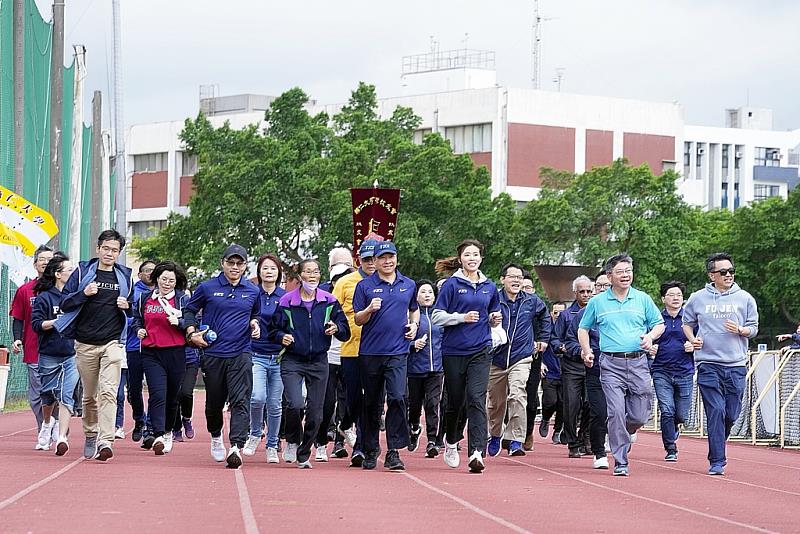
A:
(430, 338)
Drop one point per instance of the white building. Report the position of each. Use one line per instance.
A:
(514, 132)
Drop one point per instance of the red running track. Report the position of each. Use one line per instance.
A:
(542, 492)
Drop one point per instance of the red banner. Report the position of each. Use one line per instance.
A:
(374, 212)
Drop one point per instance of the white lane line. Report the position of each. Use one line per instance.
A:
(33, 487)
(648, 499)
(250, 525)
(468, 505)
(18, 432)
(771, 464)
(720, 479)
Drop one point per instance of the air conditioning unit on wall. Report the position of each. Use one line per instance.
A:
(701, 151)
(739, 154)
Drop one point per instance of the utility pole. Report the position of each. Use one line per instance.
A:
(56, 114)
(97, 165)
(537, 46)
(119, 131)
(19, 94)
(559, 77)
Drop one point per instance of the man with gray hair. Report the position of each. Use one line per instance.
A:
(627, 321)
(573, 373)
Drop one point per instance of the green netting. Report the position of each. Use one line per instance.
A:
(87, 250)
(6, 94)
(66, 156)
(38, 50)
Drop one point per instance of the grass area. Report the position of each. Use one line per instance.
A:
(15, 405)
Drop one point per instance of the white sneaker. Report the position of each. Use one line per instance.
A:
(451, 457)
(322, 454)
(56, 432)
(350, 435)
(600, 463)
(158, 446)
(304, 465)
(217, 449)
(233, 460)
(120, 433)
(45, 436)
(272, 455)
(476, 462)
(251, 445)
(167, 442)
(290, 453)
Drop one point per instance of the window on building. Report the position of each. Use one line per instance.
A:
(150, 162)
(725, 152)
(188, 164)
(419, 135)
(794, 158)
(767, 157)
(470, 138)
(765, 191)
(687, 158)
(701, 153)
(724, 201)
(146, 229)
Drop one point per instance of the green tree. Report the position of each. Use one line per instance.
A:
(286, 188)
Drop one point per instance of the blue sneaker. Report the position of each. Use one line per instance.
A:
(671, 456)
(716, 470)
(621, 471)
(494, 446)
(515, 449)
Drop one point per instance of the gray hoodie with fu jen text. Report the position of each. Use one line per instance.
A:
(707, 310)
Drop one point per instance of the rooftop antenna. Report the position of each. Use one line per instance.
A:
(559, 77)
(536, 76)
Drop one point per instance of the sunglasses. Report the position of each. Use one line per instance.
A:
(725, 272)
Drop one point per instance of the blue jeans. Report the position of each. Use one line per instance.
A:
(721, 388)
(267, 391)
(674, 395)
(58, 376)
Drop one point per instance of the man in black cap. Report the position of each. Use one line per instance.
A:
(230, 307)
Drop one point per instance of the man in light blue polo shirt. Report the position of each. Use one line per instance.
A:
(628, 321)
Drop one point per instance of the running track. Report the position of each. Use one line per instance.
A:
(541, 492)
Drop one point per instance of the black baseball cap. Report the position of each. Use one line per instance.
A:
(235, 250)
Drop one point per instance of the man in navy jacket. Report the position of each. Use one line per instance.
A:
(526, 321)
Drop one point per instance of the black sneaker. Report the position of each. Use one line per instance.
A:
(338, 450)
(147, 442)
(138, 430)
(431, 451)
(413, 439)
(544, 427)
(357, 459)
(370, 460)
(393, 461)
(575, 453)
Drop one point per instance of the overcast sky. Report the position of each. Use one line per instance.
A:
(707, 55)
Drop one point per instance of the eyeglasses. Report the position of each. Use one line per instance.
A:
(725, 272)
(513, 276)
(315, 272)
(680, 295)
(234, 263)
(602, 286)
(623, 271)
(111, 250)
(166, 280)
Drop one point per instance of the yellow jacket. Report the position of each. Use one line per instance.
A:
(344, 290)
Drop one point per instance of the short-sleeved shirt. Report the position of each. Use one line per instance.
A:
(384, 333)
(21, 309)
(621, 323)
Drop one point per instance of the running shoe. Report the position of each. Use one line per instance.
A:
(544, 427)
(338, 450)
(62, 447)
(167, 443)
(716, 470)
(233, 460)
(45, 436)
(620, 470)
(158, 446)
(304, 465)
(413, 439)
(556, 438)
(104, 452)
(119, 433)
(188, 429)
(251, 445)
(671, 457)
(349, 434)
(56, 432)
(90, 447)
(370, 460)
(138, 431)
(431, 451)
(515, 449)
(290, 454)
(147, 442)
(217, 449)
(322, 454)
(476, 462)
(272, 455)
(451, 457)
(357, 459)
(393, 461)
(600, 463)
(177, 435)
(494, 446)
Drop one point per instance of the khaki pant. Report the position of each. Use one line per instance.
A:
(507, 392)
(99, 367)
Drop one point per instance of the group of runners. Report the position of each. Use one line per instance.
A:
(290, 357)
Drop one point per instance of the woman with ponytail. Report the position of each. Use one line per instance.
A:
(57, 367)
